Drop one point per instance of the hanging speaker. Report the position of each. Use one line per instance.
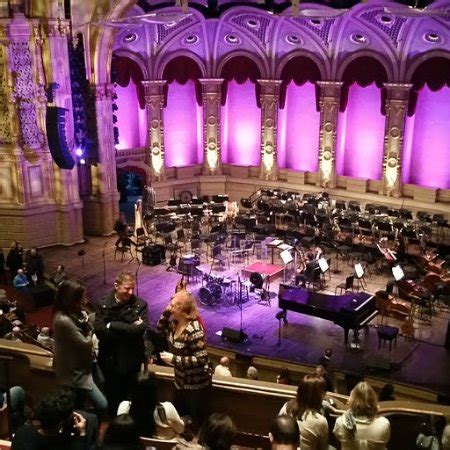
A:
(56, 136)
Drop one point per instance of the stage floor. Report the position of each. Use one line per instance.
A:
(303, 339)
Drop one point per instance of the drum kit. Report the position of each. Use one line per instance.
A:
(217, 290)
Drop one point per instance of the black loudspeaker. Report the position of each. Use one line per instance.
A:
(231, 335)
(151, 255)
(447, 336)
(56, 135)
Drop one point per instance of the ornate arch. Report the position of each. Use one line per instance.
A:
(263, 69)
(415, 62)
(366, 53)
(162, 62)
(136, 58)
(321, 64)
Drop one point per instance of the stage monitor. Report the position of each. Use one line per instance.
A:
(398, 273)
(286, 257)
(359, 270)
(323, 264)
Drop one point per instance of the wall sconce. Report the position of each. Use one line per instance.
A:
(391, 173)
(157, 161)
(212, 157)
(327, 165)
(268, 158)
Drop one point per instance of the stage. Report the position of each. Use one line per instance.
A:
(303, 339)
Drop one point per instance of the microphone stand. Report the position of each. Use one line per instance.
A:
(242, 335)
(104, 261)
(136, 276)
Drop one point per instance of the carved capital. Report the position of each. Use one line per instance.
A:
(103, 91)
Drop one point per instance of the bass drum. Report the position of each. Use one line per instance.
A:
(211, 294)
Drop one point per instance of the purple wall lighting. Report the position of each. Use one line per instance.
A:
(361, 134)
(181, 126)
(298, 129)
(426, 154)
(241, 125)
(131, 120)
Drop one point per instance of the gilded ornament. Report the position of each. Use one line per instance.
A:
(395, 132)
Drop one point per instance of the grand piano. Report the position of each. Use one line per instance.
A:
(351, 311)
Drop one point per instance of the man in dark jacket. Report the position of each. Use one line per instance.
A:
(120, 323)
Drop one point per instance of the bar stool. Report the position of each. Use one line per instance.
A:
(386, 333)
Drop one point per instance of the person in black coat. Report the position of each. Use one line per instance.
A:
(120, 323)
(34, 265)
(14, 260)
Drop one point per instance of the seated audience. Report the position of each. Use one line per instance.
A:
(359, 427)
(284, 433)
(122, 434)
(44, 338)
(284, 377)
(252, 373)
(152, 418)
(59, 276)
(217, 432)
(305, 409)
(14, 335)
(223, 368)
(60, 427)
(386, 393)
(20, 282)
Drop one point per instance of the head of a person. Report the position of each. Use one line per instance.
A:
(320, 370)
(45, 331)
(328, 352)
(144, 399)
(121, 434)
(56, 410)
(16, 330)
(33, 251)
(284, 432)
(225, 361)
(124, 285)
(218, 432)
(14, 244)
(252, 373)
(284, 377)
(310, 393)
(363, 400)
(60, 268)
(69, 297)
(184, 306)
(386, 392)
(20, 272)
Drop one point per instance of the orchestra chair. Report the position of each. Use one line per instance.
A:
(196, 247)
(182, 238)
(218, 257)
(123, 247)
(386, 333)
(313, 279)
(141, 236)
(173, 247)
(346, 286)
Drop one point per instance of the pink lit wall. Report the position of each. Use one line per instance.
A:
(298, 129)
(241, 126)
(181, 122)
(131, 120)
(426, 154)
(359, 151)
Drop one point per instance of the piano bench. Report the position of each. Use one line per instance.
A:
(387, 333)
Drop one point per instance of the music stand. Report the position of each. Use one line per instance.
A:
(324, 267)
(359, 272)
(398, 273)
(287, 258)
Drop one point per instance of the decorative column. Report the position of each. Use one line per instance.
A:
(396, 106)
(269, 97)
(154, 101)
(211, 96)
(102, 208)
(330, 95)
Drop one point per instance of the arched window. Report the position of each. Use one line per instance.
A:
(299, 116)
(361, 121)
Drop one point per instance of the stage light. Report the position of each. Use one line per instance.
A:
(79, 151)
(82, 161)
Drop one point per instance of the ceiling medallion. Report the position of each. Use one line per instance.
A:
(293, 39)
(432, 37)
(130, 37)
(190, 39)
(232, 39)
(359, 38)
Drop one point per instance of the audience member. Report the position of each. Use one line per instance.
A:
(14, 260)
(217, 433)
(59, 276)
(121, 228)
(284, 377)
(322, 372)
(359, 427)
(73, 358)
(60, 427)
(45, 339)
(386, 393)
(223, 368)
(16, 403)
(3, 276)
(284, 433)
(252, 373)
(14, 335)
(152, 418)
(325, 359)
(305, 409)
(120, 323)
(187, 353)
(34, 266)
(446, 436)
(122, 434)
(20, 282)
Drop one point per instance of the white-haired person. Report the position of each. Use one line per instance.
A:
(360, 427)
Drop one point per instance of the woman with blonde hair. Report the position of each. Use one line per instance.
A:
(305, 408)
(359, 428)
(185, 334)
